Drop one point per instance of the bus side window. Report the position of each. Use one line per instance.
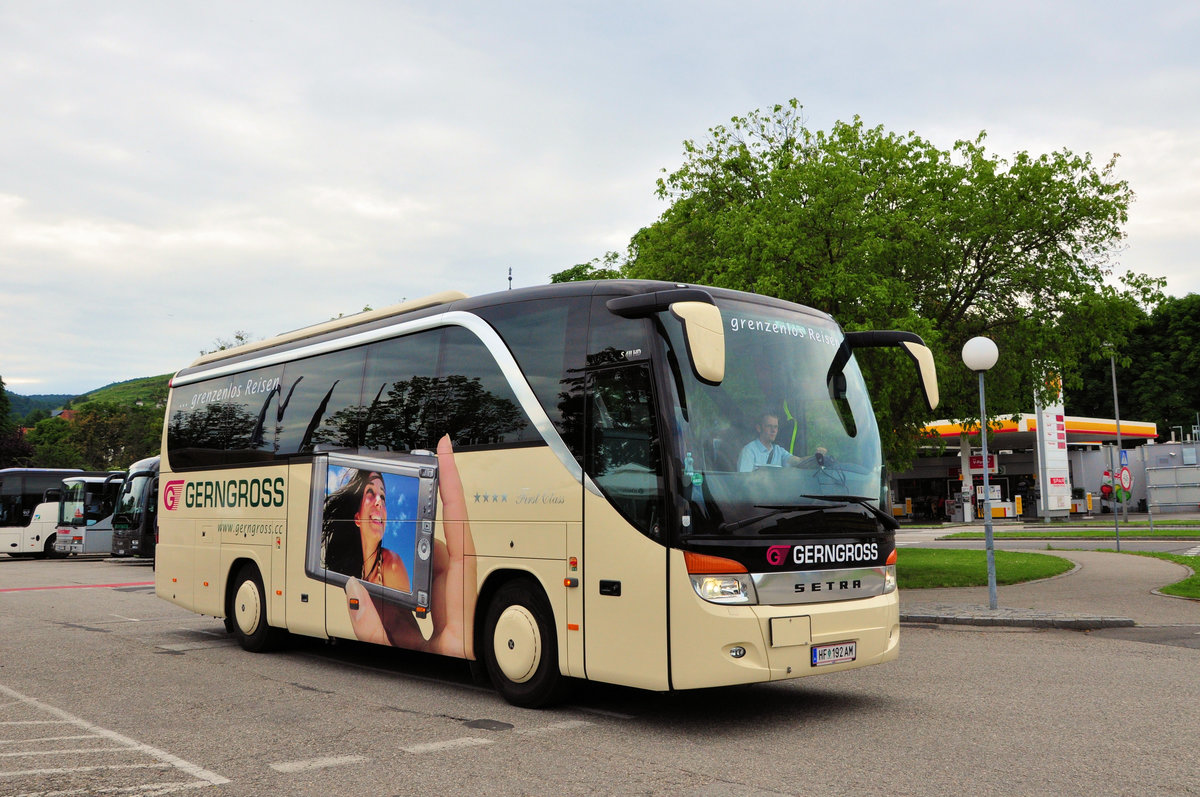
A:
(476, 405)
(224, 421)
(547, 337)
(398, 389)
(319, 402)
(623, 452)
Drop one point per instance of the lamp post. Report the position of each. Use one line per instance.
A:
(980, 354)
(1112, 359)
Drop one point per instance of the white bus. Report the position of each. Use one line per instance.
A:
(29, 509)
(85, 514)
(549, 481)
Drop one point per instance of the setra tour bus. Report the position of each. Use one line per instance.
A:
(641, 483)
(135, 519)
(29, 500)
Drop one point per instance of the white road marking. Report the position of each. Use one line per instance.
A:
(60, 752)
(180, 647)
(197, 772)
(557, 726)
(316, 763)
(449, 744)
(1193, 552)
(45, 739)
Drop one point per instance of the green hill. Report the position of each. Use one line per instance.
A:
(21, 406)
(150, 391)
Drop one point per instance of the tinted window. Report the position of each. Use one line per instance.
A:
(546, 337)
(224, 421)
(320, 402)
(474, 402)
(398, 392)
(624, 458)
(613, 339)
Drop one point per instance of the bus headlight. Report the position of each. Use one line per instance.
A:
(725, 588)
(719, 580)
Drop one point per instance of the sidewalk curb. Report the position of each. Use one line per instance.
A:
(1011, 618)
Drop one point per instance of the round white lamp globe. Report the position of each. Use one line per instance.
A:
(980, 354)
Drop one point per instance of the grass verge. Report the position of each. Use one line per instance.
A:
(929, 568)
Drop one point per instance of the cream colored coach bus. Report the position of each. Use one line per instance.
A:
(648, 484)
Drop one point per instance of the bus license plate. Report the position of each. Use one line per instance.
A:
(834, 654)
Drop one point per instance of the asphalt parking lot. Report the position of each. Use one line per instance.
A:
(105, 688)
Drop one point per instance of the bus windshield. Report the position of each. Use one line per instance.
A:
(85, 503)
(129, 502)
(775, 440)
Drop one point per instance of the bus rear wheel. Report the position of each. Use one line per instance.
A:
(520, 648)
(246, 615)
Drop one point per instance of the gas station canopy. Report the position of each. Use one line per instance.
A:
(1021, 434)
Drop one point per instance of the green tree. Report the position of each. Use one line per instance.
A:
(885, 230)
(606, 267)
(52, 445)
(1158, 370)
(14, 449)
(110, 437)
(34, 417)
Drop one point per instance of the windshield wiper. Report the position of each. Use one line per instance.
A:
(887, 519)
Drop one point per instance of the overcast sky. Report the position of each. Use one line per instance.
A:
(173, 172)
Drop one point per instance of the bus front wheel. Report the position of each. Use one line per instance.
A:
(520, 648)
(247, 613)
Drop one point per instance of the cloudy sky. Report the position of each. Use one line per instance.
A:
(174, 172)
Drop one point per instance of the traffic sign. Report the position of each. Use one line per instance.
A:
(1126, 478)
(1124, 458)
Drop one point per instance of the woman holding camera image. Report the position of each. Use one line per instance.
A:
(452, 604)
(352, 532)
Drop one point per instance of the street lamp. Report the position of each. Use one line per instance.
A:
(980, 354)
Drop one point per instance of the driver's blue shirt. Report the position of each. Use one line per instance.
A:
(755, 454)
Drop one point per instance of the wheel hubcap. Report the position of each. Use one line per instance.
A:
(517, 644)
(246, 608)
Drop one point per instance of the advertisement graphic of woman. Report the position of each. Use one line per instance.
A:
(452, 606)
(356, 549)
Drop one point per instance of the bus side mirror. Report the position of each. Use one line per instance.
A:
(705, 336)
(702, 328)
(926, 371)
(909, 342)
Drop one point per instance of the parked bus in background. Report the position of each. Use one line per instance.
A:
(135, 520)
(549, 481)
(29, 509)
(85, 513)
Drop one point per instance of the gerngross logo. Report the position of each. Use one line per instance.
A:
(224, 493)
(172, 493)
(824, 553)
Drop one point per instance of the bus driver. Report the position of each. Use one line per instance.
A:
(762, 451)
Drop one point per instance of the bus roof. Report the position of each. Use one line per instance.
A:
(443, 302)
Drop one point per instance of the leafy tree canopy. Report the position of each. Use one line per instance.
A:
(886, 231)
(13, 448)
(1157, 371)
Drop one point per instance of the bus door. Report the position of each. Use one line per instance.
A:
(625, 560)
